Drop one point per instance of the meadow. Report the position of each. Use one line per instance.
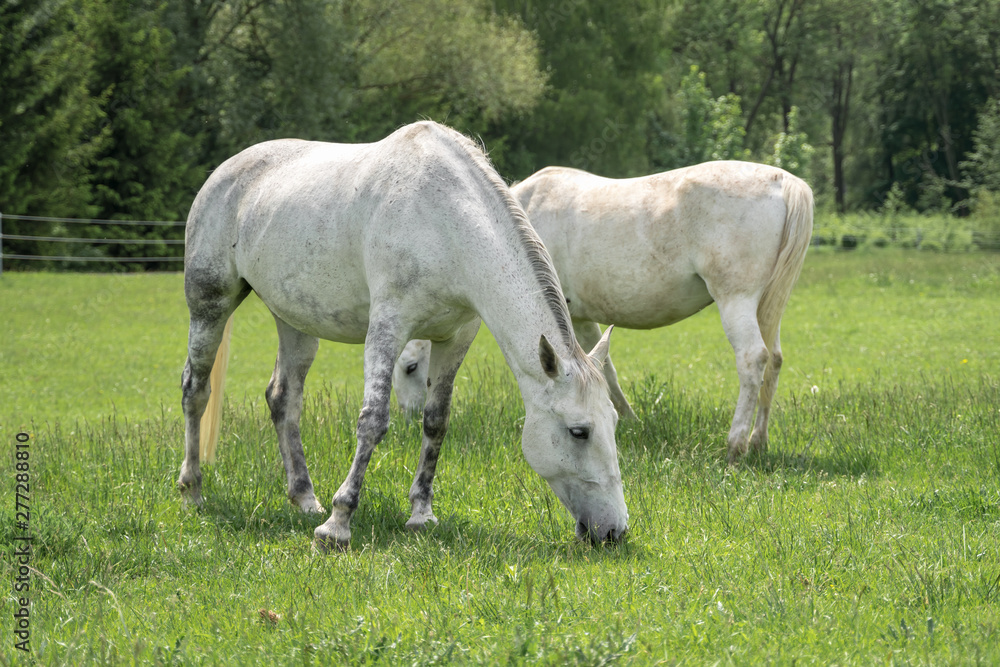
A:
(869, 532)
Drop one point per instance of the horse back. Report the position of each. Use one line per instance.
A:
(649, 251)
(322, 231)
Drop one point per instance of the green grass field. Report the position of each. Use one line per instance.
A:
(870, 533)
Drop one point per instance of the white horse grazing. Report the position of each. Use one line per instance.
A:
(415, 236)
(409, 377)
(646, 252)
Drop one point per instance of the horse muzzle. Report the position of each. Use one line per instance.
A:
(598, 533)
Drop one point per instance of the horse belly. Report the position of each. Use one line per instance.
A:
(321, 309)
(317, 286)
(638, 301)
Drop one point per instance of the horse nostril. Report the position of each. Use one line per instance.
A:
(599, 534)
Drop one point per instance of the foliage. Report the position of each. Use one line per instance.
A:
(47, 116)
(118, 109)
(986, 219)
(147, 170)
(451, 59)
(939, 68)
(982, 168)
(709, 128)
(925, 231)
(276, 70)
(601, 61)
(866, 535)
(48, 120)
(792, 151)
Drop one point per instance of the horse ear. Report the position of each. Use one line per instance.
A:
(549, 358)
(600, 351)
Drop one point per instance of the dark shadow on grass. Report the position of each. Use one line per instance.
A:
(380, 524)
(848, 464)
(673, 424)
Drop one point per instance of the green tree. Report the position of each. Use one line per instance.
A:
(982, 176)
(982, 168)
(47, 123)
(698, 127)
(934, 79)
(275, 70)
(148, 170)
(602, 60)
(321, 69)
(47, 113)
(838, 72)
(712, 125)
(791, 149)
(453, 60)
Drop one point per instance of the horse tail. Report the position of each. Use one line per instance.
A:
(211, 420)
(795, 237)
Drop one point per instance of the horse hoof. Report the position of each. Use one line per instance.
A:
(758, 445)
(327, 539)
(420, 523)
(308, 505)
(190, 494)
(192, 501)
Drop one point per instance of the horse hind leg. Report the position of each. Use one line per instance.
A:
(758, 439)
(208, 324)
(739, 319)
(296, 352)
(446, 358)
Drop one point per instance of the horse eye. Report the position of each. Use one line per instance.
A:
(411, 367)
(579, 432)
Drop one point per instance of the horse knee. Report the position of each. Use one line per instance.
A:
(435, 422)
(776, 360)
(195, 388)
(276, 401)
(373, 423)
(752, 364)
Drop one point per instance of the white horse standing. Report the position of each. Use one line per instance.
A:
(642, 253)
(415, 236)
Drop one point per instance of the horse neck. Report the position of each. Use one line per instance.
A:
(513, 303)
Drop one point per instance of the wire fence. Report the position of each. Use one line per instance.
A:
(847, 236)
(89, 241)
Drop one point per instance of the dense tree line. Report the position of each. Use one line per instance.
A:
(118, 109)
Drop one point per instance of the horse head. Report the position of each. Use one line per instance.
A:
(569, 439)
(409, 377)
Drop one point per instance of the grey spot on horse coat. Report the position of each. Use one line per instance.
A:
(407, 270)
(435, 422)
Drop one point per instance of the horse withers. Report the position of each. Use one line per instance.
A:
(642, 253)
(414, 236)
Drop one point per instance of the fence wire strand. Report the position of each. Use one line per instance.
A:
(92, 221)
(94, 241)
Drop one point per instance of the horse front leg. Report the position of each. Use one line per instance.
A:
(588, 334)
(445, 360)
(296, 352)
(383, 344)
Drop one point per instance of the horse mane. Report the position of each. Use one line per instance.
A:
(538, 257)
